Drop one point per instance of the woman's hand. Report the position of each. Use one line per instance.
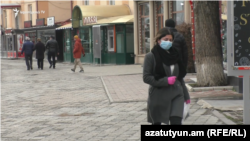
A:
(187, 101)
(171, 80)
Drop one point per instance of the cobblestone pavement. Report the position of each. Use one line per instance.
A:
(132, 88)
(59, 105)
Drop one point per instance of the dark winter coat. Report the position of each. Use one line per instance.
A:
(28, 48)
(166, 101)
(40, 49)
(52, 46)
(180, 43)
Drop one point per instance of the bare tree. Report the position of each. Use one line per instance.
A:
(208, 49)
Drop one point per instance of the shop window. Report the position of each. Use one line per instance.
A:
(111, 46)
(158, 12)
(84, 35)
(67, 41)
(111, 2)
(45, 35)
(30, 11)
(144, 28)
(32, 36)
(177, 11)
(129, 38)
(120, 43)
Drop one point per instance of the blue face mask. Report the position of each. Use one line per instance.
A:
(166, 45)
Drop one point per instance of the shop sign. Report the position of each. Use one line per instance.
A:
(89, 20)
(50, 21)
(27, 24)
(40, 22)
(8, 32)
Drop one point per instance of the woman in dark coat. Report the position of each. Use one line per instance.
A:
(40, 49)
(163, 70)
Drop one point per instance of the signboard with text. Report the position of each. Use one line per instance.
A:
(89, 20)
(50, 21)
(40, 22)
(27, 24)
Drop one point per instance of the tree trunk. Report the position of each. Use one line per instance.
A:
(185, 30)
(208, 49)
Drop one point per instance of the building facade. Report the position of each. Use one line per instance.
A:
(115, 19)
(36, 19)
(150, 16)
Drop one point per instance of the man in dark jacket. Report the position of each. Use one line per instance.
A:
(40, 49)
(28, 48)
(53, 50)
(180, 43)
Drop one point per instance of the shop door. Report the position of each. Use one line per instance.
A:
(67, 46)
(120, 44)
(11, 51)
(59, 39)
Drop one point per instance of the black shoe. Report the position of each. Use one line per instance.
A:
(41, 68)
(81, 71)
(31, 68)
(73, 70)
(50, 66)
(28, 68)
(54, 67)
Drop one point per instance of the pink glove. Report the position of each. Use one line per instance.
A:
(171, 80)
(188, 101)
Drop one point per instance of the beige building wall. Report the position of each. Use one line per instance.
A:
(91, 2)
(61, 10)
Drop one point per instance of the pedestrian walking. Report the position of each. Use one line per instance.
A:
(78, 51)
(180, 44)
(53, 50)
(163, 70)
(40, 49)
(27, 49)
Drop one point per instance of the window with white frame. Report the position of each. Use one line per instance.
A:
(111, 2)
(86, 2)
(30, 11)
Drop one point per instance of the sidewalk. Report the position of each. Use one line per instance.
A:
(58, 104)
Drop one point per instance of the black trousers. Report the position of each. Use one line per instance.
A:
(40, 63)
(28, 60)
(53, 55)
(173, 121)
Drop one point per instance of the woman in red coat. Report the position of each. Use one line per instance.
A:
(77, 52)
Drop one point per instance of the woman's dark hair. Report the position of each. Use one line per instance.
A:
(161, 33)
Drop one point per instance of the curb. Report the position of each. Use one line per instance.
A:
(107, 91)
(223, 118)
(191, 89)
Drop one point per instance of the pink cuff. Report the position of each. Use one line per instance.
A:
(188, 101)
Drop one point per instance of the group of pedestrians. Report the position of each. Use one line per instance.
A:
(164, 70)
(53, 51)
(29, 47)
